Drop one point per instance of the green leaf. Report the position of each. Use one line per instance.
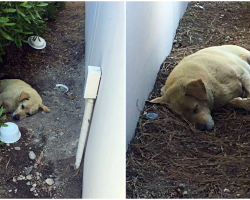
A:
(9, 10)
(3, 125)
(24, 3)
(1, 110)
(7, 36)
(32, 15)
(27, 33)
(9, 24)
(3, 19)
(37, 14)
(42, 4)
(20, 12)
(18, 30)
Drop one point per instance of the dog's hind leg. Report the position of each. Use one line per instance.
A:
(240, 103)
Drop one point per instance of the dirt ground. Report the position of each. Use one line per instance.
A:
(168, 158)
(53, 136)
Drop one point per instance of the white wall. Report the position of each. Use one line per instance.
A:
(150, 30)
(104, 162)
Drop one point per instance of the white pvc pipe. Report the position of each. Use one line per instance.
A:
(84, 131)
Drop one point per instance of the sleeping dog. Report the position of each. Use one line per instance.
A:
(210, 78)
(19, 98)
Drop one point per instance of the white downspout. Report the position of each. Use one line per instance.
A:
(90, 94)
(84, 130)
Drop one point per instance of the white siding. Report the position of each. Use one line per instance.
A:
(104, 162)
(150, 30)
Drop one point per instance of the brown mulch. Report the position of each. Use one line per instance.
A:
(168, 158)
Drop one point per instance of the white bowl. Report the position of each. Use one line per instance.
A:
(38, 43)
(10, 134)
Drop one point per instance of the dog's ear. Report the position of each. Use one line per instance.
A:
(158, 100)
(44, 108)
(197, 89)
(23, 95)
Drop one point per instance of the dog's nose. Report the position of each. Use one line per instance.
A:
(205, 127)
(16, 117)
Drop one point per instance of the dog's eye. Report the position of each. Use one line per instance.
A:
(23, 107)
(195, 110)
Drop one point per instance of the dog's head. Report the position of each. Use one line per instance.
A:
(190, 100)
(28, 105)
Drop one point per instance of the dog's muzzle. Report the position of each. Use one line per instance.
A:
(205, 127)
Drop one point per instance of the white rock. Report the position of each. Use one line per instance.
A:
(14, 179)
(19, 178)
(49, 181)
(226, 190)
(185, 192)
(15, 190)
(17, 148)
(32, 189)
(10, 190)
(34, 185)
(29, 177)
(32, 155)
(35, 194)
(28, 183)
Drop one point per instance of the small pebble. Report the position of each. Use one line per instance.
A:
(28, 183)
(185, 193)
(35, 194)
(34, 185)
(15, 190)
(32, 189)
(17, 148)
(28, 177)
(238, 195)
(32, 155)
(10, 190)
(49, 181)
(28, 170)
(14, 179)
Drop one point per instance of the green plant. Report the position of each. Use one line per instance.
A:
(2, 124)
(52, 9)
(18, 20)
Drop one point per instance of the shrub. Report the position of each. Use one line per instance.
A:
(18, 20)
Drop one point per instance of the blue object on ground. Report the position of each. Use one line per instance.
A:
(151, 115)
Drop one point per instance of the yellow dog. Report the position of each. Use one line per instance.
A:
(210, 78)
(19, 98)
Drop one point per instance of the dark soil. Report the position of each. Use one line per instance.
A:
(52, 135)
(168, 158)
